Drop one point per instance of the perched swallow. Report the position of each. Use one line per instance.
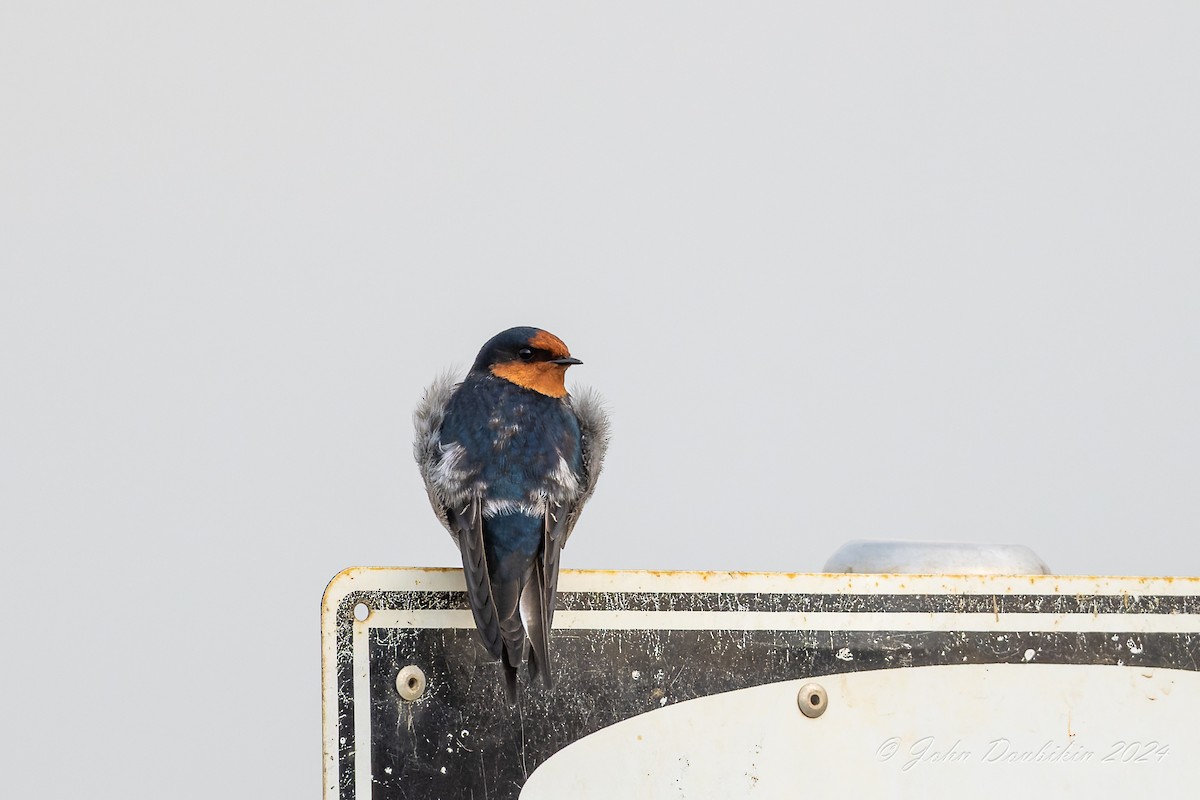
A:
(509, 458)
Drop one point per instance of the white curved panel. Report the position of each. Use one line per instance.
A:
(1008, 730)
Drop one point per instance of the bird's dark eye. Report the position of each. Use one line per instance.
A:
(525, 354)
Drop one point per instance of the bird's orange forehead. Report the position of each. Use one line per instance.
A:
(550, 343)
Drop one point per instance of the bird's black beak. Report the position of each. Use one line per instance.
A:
(566, 362)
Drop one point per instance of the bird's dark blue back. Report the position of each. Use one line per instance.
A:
(517, 443)
(515, 440)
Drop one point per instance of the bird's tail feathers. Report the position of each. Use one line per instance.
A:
(512, 633)
(510, 681)
(514, 640)
(537, 626)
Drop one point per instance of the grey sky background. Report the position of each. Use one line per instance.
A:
(842, 270)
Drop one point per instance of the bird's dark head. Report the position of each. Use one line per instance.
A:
(529, 357)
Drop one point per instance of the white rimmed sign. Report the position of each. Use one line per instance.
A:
(687, 684)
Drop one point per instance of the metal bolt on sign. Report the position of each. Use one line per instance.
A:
(410, 682)
(812, 700)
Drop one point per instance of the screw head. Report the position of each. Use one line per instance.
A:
(410, 682)
(812, 700)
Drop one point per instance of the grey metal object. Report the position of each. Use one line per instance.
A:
(410, 682)
(812, 699)
(936, 558)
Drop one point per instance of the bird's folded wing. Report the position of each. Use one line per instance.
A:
(467, 526)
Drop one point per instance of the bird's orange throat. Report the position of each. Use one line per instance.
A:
(540, 376)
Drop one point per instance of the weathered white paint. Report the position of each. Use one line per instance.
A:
(995, 731)
(838, 621)
(450, 579)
